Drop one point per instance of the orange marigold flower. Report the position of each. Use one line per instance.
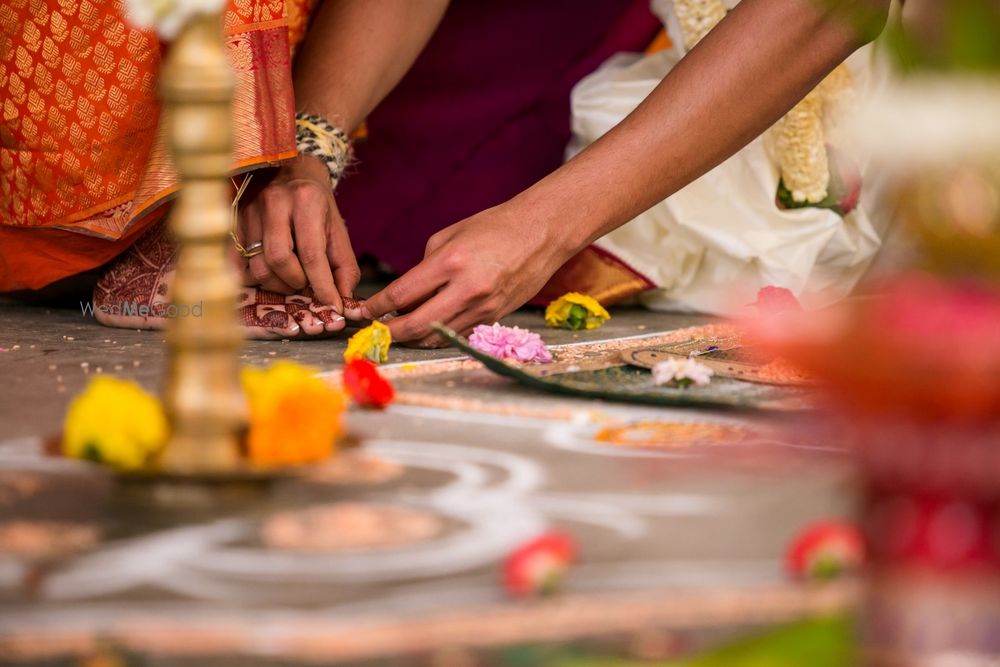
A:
(295, 417)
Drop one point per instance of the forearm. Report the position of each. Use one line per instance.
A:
(756, 64)
(357, 51)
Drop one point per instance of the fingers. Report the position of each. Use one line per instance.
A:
(299, 307)
(346, 273)
(330, 319)
(416, 285)
(436, 241)
(352, 308)
(453, 307)
(310, 220)
(462, 324)
(257, 272)
(416, 326)
(248, 228)
(305, 242)
(279, 253)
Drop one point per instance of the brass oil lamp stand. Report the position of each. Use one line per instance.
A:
(202, 396)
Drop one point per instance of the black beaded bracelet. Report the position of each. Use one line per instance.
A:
(316, 136)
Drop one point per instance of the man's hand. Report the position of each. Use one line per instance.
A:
(473, 272)
(305, 239)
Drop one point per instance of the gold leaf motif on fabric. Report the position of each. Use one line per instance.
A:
(43, 79)
(59, 26)
(94, 85)
(104, 59)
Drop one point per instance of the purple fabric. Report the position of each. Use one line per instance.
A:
(483, 114)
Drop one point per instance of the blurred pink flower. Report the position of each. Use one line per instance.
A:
(509, 343)
(941, 318)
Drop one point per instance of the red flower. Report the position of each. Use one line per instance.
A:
(926, 349)
(537, 567)
(772, 300)
(825, 550)
(366, 385)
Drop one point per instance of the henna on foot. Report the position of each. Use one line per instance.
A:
(134, 293)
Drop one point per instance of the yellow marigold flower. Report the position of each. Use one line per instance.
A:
(295, 417)
(575, 311)
(371, 343)
(115, 422)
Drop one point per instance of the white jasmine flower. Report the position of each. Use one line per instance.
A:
(681, 372)
(167, 17)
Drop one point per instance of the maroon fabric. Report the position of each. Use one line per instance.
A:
(483, 114)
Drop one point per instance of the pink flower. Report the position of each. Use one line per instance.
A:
(509, 343)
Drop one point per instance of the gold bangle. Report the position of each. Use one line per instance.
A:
(254, 249)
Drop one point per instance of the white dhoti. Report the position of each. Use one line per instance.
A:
(710, 246)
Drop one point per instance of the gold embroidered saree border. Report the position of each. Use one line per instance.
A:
(264, 134)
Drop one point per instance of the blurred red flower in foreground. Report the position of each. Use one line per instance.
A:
(365, 385)
(920, 348)
(824, 550)
(773, 300)
(538, 566)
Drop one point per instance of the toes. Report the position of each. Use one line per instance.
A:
(270, 315)
(310, 324)
(329, 317)
(272, 318)
(300, 300)
(273, 321)
(263, 296)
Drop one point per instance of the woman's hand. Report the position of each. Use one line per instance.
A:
(473, 272)
(305, 239)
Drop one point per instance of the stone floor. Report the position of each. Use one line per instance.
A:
(688, 540)
(47, 354)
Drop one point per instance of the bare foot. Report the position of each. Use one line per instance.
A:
(134, 293)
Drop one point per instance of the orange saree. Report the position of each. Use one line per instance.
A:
(83, 170)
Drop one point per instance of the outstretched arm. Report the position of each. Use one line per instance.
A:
(753, 67)
(355, 53)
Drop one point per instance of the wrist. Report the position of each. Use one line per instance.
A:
(303, 167)
(567, 224)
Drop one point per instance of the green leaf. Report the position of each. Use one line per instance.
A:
(92, 452)
(786, 199)
(973, 32)
(819, 642)
(826, 567)
(969, 40)
(577, 317)
(825, 642)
